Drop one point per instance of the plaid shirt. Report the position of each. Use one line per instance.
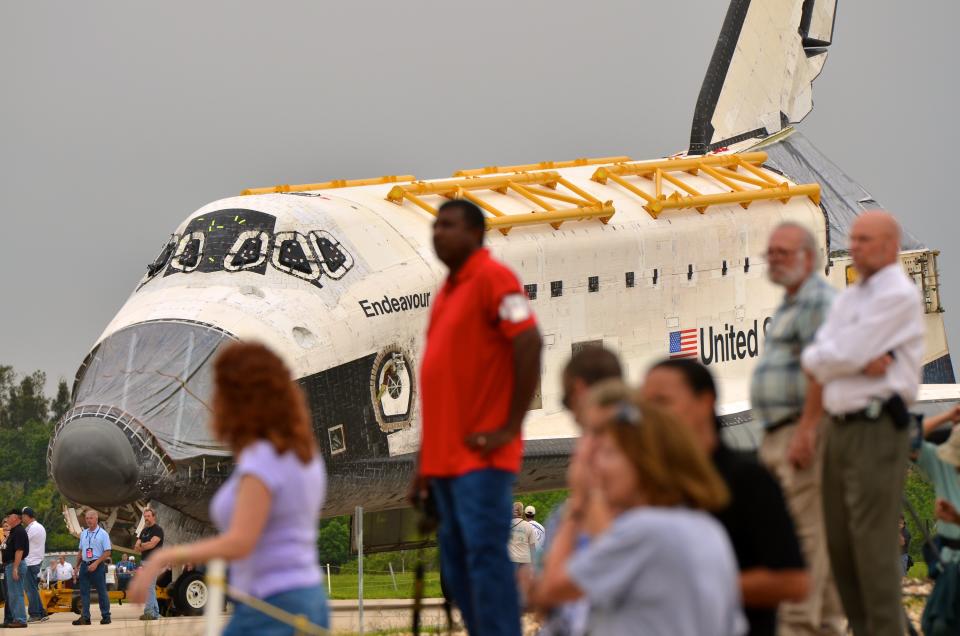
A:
(779, 386)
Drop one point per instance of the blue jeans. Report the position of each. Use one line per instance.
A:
(150, 606)
(18, 611)
(33, 592)
(305, 601)
(475, 513)
(97, 578)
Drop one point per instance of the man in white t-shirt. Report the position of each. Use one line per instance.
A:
(64, 571)
(529, 514)
(523, 538)
(37, 535)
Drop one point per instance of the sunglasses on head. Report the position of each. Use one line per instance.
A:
(627, 413)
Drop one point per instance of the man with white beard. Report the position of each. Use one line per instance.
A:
(790, 409)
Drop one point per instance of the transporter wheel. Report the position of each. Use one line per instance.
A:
(190, 594)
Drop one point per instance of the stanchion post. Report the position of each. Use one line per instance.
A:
(359, 518)
(392, 577)
(216, 581)
(329, 582)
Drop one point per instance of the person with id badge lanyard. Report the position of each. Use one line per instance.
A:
(94, 550)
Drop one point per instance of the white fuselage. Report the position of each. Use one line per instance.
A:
(689, 271)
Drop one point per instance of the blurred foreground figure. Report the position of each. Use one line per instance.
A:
(587, 368)
(480, 369)
(790, 409)
(267, 511)
(941, 465)
(868, 356)
(656, 563)
(757, 520)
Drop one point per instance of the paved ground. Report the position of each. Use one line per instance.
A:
(378, 615)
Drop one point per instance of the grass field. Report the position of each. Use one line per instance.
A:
(344, 586)
(918, 571)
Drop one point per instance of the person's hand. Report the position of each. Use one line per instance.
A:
(578, 473)
(140, 583)
(802, 447)
(486, 443)
(878, 367)
(16, 574)
(954, 414)
(417, 492)
(945, 511)
(148, 573)
(598, 514)
(92, 567)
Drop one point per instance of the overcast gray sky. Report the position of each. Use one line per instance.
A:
(118, 119)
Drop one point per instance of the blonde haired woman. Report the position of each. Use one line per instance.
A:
(657, 563)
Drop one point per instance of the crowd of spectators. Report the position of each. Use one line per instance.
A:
(667, 530)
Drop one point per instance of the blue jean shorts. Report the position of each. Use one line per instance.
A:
(306, 601)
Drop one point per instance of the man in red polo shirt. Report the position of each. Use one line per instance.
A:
(480, 369)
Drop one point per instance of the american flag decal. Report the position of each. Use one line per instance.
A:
(683, 343)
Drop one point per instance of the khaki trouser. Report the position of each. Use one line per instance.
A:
(821, 612)
(865, 465)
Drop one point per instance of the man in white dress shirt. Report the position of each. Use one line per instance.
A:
(868, 357)
(64, 572)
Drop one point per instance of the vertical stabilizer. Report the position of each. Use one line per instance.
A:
(762, 69)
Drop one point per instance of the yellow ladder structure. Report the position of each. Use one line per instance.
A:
(543, 165)
(556, 200)
(329, 185)
(533, 187)
(752, 184)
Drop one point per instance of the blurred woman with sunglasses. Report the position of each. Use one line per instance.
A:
(657, 562)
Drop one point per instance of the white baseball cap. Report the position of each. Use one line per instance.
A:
(530, 511)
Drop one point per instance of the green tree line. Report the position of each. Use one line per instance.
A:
(27, 418)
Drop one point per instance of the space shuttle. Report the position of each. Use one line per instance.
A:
(653, 258)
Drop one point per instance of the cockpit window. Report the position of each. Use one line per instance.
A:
(292, 254)
(188, 253)
(238, 240)
(335, 260)
(219, 232)
(160, 261)
(249, 251)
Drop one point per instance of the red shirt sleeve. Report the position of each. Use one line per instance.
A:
(507, 304)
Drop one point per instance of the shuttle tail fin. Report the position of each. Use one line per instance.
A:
(761, 73)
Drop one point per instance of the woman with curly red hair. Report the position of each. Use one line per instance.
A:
(275, 493)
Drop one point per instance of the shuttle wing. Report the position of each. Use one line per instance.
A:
(760, 76)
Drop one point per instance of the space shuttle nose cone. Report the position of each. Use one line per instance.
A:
(93, 463)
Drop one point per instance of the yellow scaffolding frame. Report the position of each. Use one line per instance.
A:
(535, 187)
(721, 168)
(543, 165)
(329, 185)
